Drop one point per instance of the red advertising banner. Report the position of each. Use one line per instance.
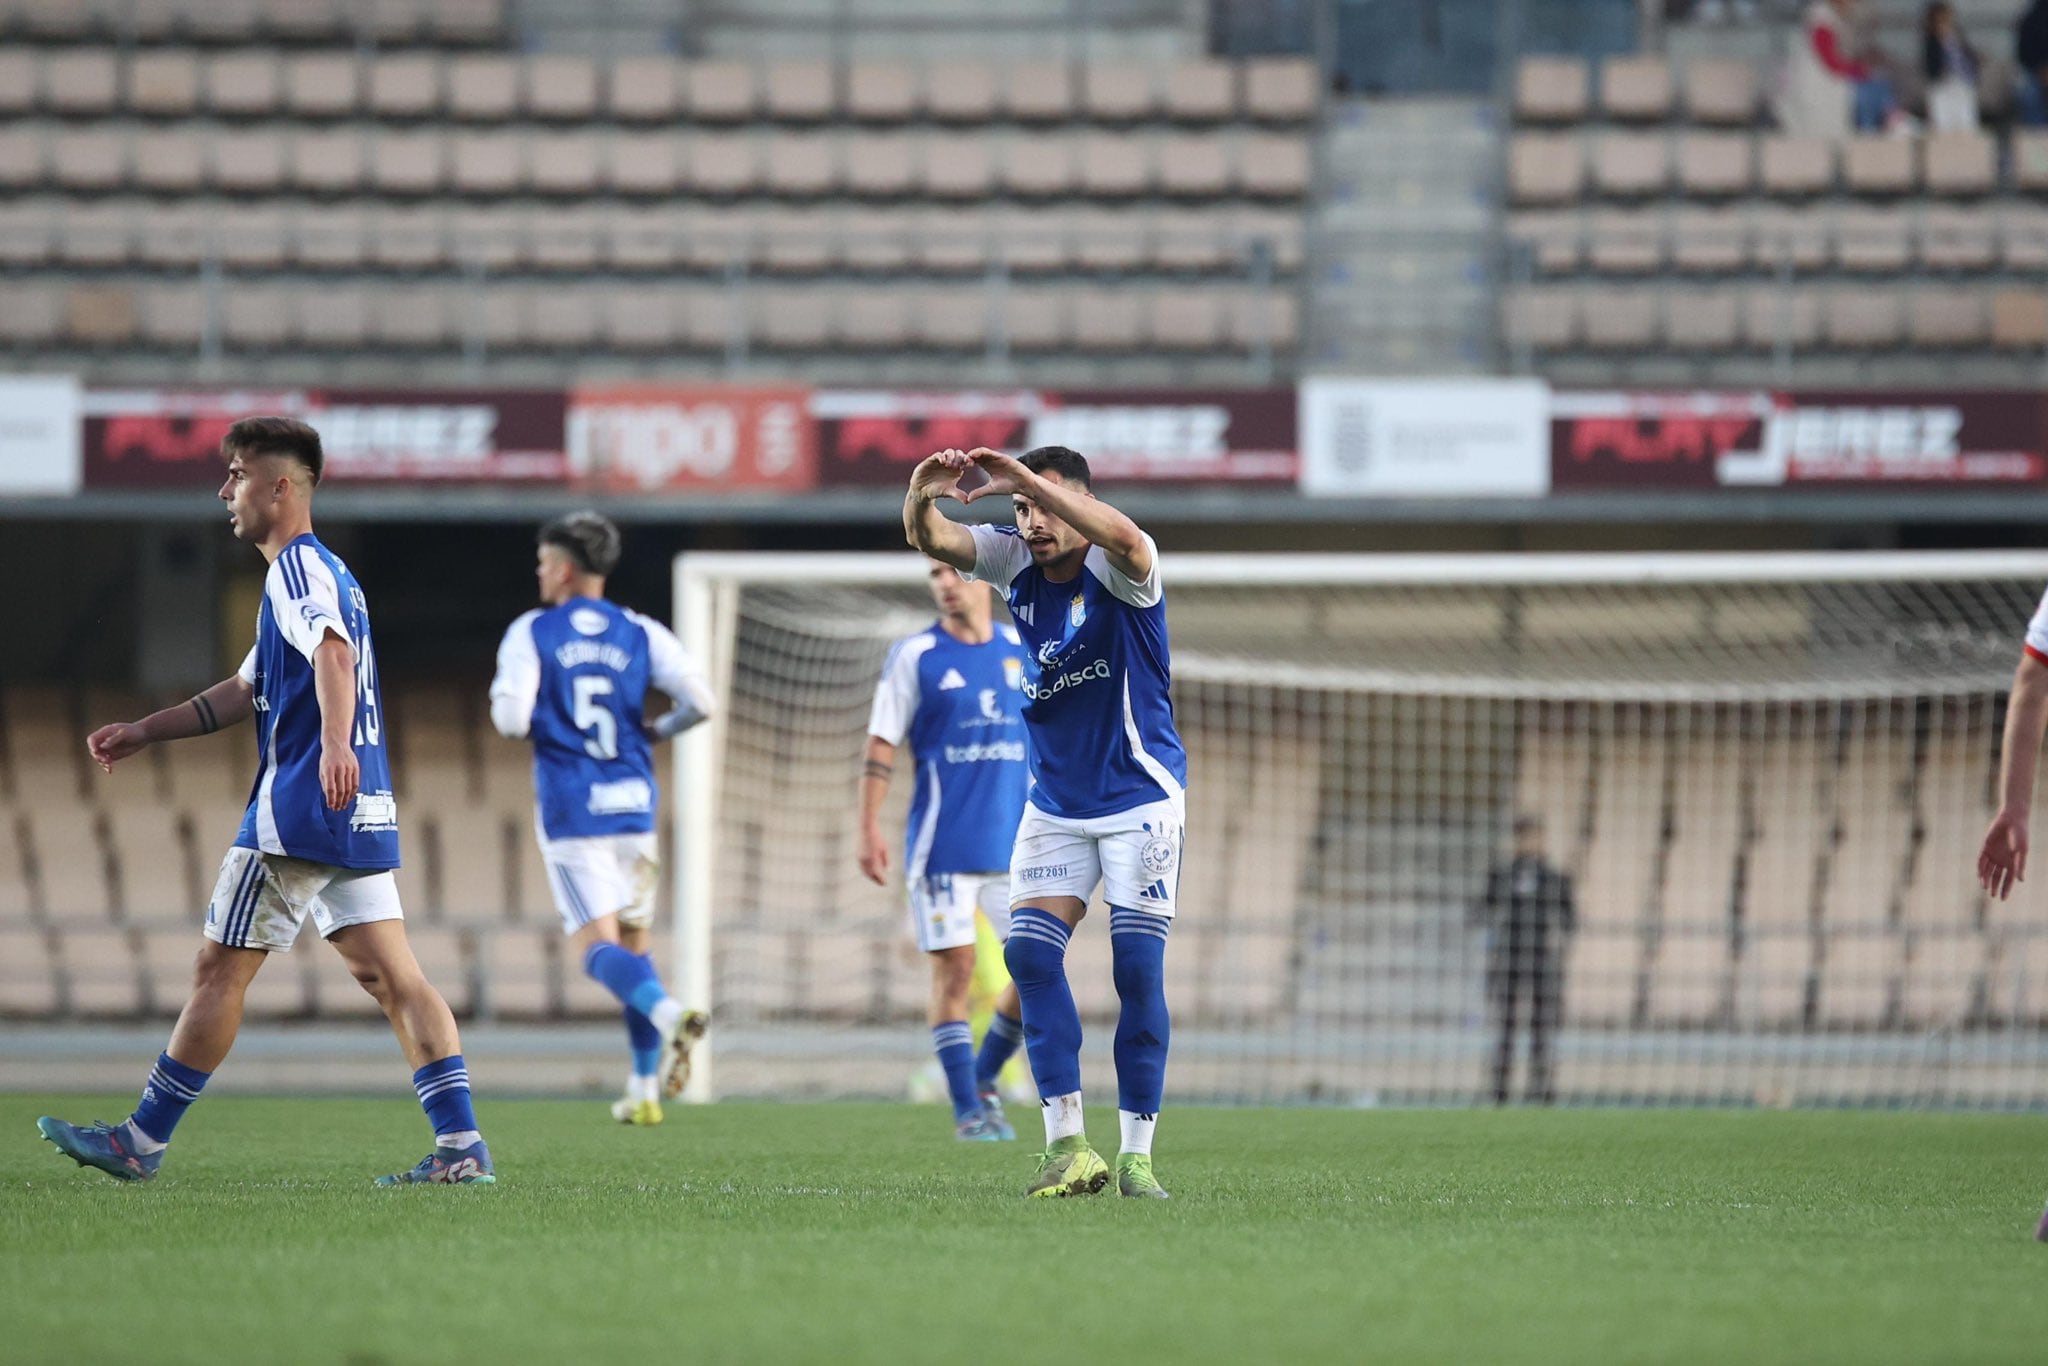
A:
(164, 437)
(1171, 435)
(655, 438)
(1771, 439)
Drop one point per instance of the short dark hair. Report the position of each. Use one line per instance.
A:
(589, 538)
(1070, 465)
(276, 436)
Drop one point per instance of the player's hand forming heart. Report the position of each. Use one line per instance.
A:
(945, 474)
(1005, 474)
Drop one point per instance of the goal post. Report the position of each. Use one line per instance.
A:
(1764, 774)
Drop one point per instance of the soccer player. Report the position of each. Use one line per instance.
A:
(572, 677)
(2002, 861)
(320, 836)
(955, 690)
(1108, 797)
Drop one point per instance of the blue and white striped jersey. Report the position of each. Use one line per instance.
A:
(573, 679)
(1099, 706)
(308, 593)
(960, 706)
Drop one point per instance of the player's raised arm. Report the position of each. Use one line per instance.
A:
(924, 526)
(1121, 539)
(2003, 859)
(227, 703)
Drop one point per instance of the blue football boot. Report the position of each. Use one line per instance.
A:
(108, 1147)
(469, 1166)
(992, 1112)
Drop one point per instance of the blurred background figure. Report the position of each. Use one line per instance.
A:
(1528, 913)
(1951, 67)
(1834, 82)
(2030, 53)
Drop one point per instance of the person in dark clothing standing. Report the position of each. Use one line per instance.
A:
(1528, 913)
(2030, 54)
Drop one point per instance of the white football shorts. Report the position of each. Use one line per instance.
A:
(599, 875)
(261, 899)
(942, 908)
(1134, 854)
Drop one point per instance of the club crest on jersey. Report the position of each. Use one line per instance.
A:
(1049, 652)
(589, 621)
(1077, 612)
(950, 680)
(1013, 672)
(988, 705)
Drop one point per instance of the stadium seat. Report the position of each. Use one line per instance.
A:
(258, 317)
(1625, 242)
(409, 239)
(248, 162)
(1880, 165)
(1200, 92)
(644, 164)
(101, 972)
(29, 313)
(1858, 973)
(98, 235)
(1039, 92)
(1958, 240)
(322, 85)
(568, 241)
(76, 82)
(1716, 165)
(242, 85)
(726, 165)
(1631, 165)
(28, 232)
(488, 164)
(483, 88)
(1702, 319)
(170, 317)
(28, 970)
(962, 91)
(1107, 320)
(404, 86)
(1272, 166)
(341, 322)
(1635, 88)
(1942, 979)
(799, 91)
(2030, 160)
(1862, 320)
(952, 318)
(99, 316)
(17, 889)
(645, 89)
(163, 84)
(1621, 319)
(880, 165)
(421, 318)
(1782, 235)
(958, 166)
(88, 159)
(1709, 241)
(1541, 318)
(1551, 89)
(18, 84)
(1545, 168)
(721, 92)
(327, 162)
(1872, 241)
(561, 87)
(337, 237)
(1193, 166)
(408, 163)
(564, 164)
(1795, 167)
(1960, 164)
(1039, 166)
(883, 92)
(171, 161)
(2019, 320)
(1119, 92)
(1947, 319)
(1119, 166)
(1721, 90)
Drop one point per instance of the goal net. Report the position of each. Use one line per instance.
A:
(1765, 776)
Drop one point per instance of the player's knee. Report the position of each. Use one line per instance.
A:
(1032, 960)
(1137, 966)
(372, 977)
(218, 969)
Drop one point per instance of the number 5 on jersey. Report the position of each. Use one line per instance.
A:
(594, 718)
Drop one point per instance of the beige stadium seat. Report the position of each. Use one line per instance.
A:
(793, 318)
(171, 317)
(99, 315)
(645, 89)
(1709, 241)
(409, 238)
(1541, 318)
(962, 91)
(1960, 164)
(337, 320)
(1880, 165)
(1553, 241)
(488, 164)
(564, 163)
(1862, 320)
(1625, 242)
(1781, 233)
(1264, 318)
(221, 21)
(649, 164)
(722, 92)
(1281, 89)
(44, 743)
(520, 967)
(1872, 241)
(640, 320)
(645, 239)
(1119, 92)
(248, 162)
(1200, 92)
(564, 319)
(415, 319)
(1039, 166)
(17, 887)
(2023, 238)
(445, 955)
(2019, 320)
(158, 883)
(1947, 319)
(1039, 92)
(102, 974)
(1622, 320)
(78, 81)
(562, 87)
(101, 234)
(322, 85)
(1859, 965)
(88, 159)
(1193, 165)
(880, 165)
(713, 320)
(163, 84)
(1941, 974)
(1550, 89)
(876, 318)
(1546, 168)
(1119, 165)
(473, 22)
(1114, 241)
(28, 231)
(333, 238)
(1958, 239)
(255, 237)
(475, 875)
(1033, 241)
(1702, 319)
(952, 318)
(1185, 320)
(1273, 166)
(1604, 975)
(729, 164)
(1793, 166)
(28, 974)
(18, 92)
(1035, 320)
(21, 157)
(70, 863)
(1636, 88)
(483, 88)
(171, 161)
(256, 317)
(799, 91)
(943, 241)
(1721, 90)
(243, 85)
(404, 86)
(1716, 165)
(408, 163)
(326, 163)
(958, 166)
(1689, 976)
(2030, 160)
(29, 312)
(883, 92)
(1631, 165)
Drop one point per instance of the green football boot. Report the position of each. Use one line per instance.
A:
(1134, 1177)
(1069, 1167)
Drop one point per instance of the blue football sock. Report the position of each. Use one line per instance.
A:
(1037, 957)
(997, 1047)
(1137, 946)
(645, 1040)
(627, 975)
(954, 1043)
(171, 1087)
(443, 1088)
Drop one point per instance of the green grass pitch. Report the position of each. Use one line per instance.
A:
(862, 1233)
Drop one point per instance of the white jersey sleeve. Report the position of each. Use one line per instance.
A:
(305, 601)
(247, 673)
(516, 685)
(670, 668)
(998, 554)
(897, 695)
(1144, 592)
(2037, 632)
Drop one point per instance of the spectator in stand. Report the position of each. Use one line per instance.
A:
(1829, 88)
(1950, 65)
(2030, 50)
(1529, 914)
